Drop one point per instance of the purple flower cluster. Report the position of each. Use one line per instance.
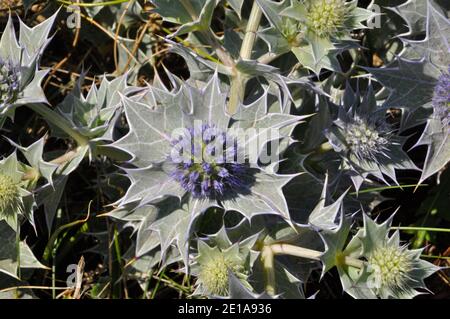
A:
(207, 164)
(441, 98)
(9, 83)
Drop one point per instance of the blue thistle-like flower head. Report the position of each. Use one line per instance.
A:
(9, 83)
(207, 163)
(441, 98)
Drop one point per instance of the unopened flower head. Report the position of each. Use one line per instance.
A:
(9, 195)
(392, 266)
(327, 17)
(207, 164)
(214, 274)
(367, 139)
(9, 83)
(441, 98)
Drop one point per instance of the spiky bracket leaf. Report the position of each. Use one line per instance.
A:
(192, 15)
(24, 53)
(290, 32)
(436, 45)
(412, 85)
(34, 156)
(95, 114)
(24, 203)
(415, 14)
(8, 252)
(358, 117)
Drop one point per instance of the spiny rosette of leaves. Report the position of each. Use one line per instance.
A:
(394, 270)
(205, 178)
(367, 143)
(213, 267)
(217, 259)
(413, 81)
(315, 31)
(94, 114)
(20, 77)
(15, 199)
(374, 264)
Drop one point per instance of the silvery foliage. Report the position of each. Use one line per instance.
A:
(181, 215)
(19, 62)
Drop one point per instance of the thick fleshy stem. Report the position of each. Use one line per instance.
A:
(238, 82)
(268, 253)
(59, 121)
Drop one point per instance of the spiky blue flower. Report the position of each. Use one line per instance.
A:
(441, 98)
(207, 164)
(366, 142)
(9, 83)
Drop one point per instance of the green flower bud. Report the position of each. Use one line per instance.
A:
(214, 274)
(9, 195)
(327, 17)
(391, 267)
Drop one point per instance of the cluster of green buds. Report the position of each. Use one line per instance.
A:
(327, 18)
(214, 266)
(391, 266)
(10, 200)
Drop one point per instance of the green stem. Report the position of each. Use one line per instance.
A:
(377, 189)
(268, 252)
(98, 4)
(267, 257)
(238, 82)
(59, 121)
(223, 55)
(431, 229)
(18, 252)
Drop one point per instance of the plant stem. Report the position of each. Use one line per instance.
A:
(238, 82)
(223, 55)
(267, 257)
(287, 249)
(97, 4)
(18, 252)
(59, 121)
(430, 229)
(269, 251)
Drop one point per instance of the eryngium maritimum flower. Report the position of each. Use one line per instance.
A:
(214, 274)
(391, 267)
(366, 142)
(9, 195)
(393, 271)
(367, 138)
(327, 17)
(185, 145)
(9, 83)
(206, 164)
(441, 98)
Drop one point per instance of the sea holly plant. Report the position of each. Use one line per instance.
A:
(252, 159)
(418, 85)
(185, 145)
(315, 31)
(20, 77)
(367, 143)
